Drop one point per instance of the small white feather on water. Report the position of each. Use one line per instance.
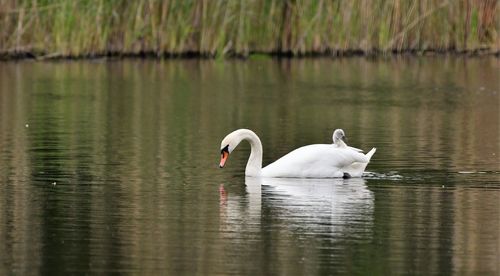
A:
(470, 172)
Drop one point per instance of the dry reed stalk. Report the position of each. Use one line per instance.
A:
(221, 28)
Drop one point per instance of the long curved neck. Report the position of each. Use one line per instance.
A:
(254, 164)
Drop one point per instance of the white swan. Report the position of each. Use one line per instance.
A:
(357, 168)
(313, 161)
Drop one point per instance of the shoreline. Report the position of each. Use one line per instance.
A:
(41, 56)
(62, 29)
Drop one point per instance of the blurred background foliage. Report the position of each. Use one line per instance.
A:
(228, 28)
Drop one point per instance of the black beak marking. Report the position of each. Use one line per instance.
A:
(225, 149)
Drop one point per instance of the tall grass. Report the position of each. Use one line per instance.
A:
(226, 27)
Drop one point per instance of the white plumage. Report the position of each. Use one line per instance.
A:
(313, 161)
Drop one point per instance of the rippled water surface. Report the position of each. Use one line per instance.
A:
(112, 167)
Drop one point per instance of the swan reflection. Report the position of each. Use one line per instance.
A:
(329, 206)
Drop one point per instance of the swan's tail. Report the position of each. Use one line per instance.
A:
(370, 153)
(356, 169)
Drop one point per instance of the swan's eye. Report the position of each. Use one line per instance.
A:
(225, 149)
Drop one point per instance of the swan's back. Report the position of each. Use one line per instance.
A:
(319, 161)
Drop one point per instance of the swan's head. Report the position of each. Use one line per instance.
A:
(231, 141)
(227, 145)
(339, 135)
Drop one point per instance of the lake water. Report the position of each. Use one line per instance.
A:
(113, 167)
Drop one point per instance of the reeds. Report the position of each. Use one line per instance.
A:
(225, 27)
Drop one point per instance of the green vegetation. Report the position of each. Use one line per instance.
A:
(53, 28)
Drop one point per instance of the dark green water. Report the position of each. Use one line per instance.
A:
(112, 167)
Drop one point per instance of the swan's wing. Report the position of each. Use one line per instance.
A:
(356, 169)
(314, 161)
(344, 146)
(350, 155)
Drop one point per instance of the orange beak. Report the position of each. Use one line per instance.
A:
(223, 157)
